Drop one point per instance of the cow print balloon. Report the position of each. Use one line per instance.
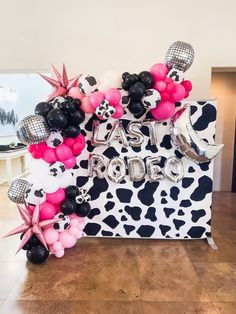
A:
(57, 101)
(34, 196)
(63, 223)
(57, 169)
(176, 75)
(151, 98)
(87, 84)
(55, 139)
(124, 97)
(104, 110)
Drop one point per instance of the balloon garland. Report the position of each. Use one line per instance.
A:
(53, 209)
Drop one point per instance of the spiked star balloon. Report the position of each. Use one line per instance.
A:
(31, 226)
(61, 84)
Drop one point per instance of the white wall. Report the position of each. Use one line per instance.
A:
(96, 36)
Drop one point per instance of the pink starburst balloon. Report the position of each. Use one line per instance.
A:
(61, 84)
(31, 226)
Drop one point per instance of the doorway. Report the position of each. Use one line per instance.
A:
(223, 87)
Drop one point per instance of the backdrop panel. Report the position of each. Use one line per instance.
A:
(157, 210)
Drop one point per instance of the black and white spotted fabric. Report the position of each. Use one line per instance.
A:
(152, 210)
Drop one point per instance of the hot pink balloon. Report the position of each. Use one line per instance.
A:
(160, 86)
(67, 239)
(164, 110)
(49, 155)
(159, 71)
(119, 112)
(165, 96)
(187, 85)
(80, 138)
(70, 162)
(56, 197)
(77, 148)
(64, 152)
(178, 94)
(46, 211)
(95, 99)
(69, 141)
(36, 154)
(113, 95)
(50, 235)
(86, 105)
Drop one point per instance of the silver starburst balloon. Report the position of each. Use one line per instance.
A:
(33, 129)
(180, 55)
(17, 189)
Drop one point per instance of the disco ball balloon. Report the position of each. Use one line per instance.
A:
(17, 189)
(33, 129)
(180, 55)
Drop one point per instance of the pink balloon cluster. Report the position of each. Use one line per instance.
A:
(65, 152)
(59, 241)
(170, 91)
(112, 96)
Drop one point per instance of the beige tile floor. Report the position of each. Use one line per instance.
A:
(124, 276)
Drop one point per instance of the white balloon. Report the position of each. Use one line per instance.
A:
(109, 79)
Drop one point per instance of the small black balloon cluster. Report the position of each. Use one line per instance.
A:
(70, 206)
(36, 251)
(62, 114)
(136, 85)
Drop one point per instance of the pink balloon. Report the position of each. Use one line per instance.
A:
(57, 246)
(59, 253)
(77, 148)
(74, 92)
(160, 86)
(56, 197)
(80, 138)
(51, 235)
(171, 88)
(79, 234)
(159, 71)
(95, 99)
(164, 110)
(47, 211)
(73, 231)
(74, 222)
(70, 162)
(63, 152)
(86, 105)
(165, 96)
(49, 155)
(67, 239)
(113, 95)
(178, 94)
(41, 146)
(31, 148)
(119, 112)
(36, 154)
(187, 85)
(69, 141)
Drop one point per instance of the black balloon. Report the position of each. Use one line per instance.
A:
(136, 107)
(43, 108)
(68, 206)
(77, 117)
(137, 91)
(37, 254)
(72, 105)
(72, 191)
(124, 75)
(71, 131)
(57, 119)
(147, 79)
(83, 209)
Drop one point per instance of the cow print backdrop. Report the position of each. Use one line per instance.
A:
(159, 210)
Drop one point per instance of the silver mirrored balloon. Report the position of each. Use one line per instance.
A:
(153, 169)
(136, 168)
(116, 170)
(95, 141)
(17, 189)
(33, 129)
(174, 169)
(118, 134)
(133, 129)
(180, 56)
(187, 140)
(96, 164)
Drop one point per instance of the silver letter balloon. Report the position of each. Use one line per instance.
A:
(187, 140)
(33, 129)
